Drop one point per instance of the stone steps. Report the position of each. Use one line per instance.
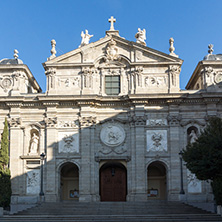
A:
(115, 218)
(105, 208)
(113, 212)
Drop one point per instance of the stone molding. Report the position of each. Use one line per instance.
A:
(15, 122)
(51, 121)
(137, 120)
(87, 121)
(192, 122)
(174, 120)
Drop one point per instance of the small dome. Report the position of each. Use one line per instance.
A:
(11, 61)
(213, 57)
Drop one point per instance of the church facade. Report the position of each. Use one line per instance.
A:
(110, 125)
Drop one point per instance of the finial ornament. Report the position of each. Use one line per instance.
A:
(141, 36)
(85, 38)
(16, 54)
(210, 51)
(112, 20)
(172, 49)
(53, 50)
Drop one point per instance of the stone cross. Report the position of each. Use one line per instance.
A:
(112, 20)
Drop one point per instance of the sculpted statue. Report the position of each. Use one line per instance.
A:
(34, 144)
(141, 36)
(85, 38)
(192, 136)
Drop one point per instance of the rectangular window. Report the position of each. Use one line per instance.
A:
(112, 85)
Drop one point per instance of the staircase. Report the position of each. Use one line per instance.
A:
(154, 211)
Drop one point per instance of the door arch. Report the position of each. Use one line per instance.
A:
(156, 181)
(113, 182)
(69, 181)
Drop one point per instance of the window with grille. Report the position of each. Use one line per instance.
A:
(112, 85)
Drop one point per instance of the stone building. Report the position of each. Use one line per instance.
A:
(111, 123)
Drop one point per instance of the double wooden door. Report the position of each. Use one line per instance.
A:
(113, 183)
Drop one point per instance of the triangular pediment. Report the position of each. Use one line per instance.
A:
(131, 51)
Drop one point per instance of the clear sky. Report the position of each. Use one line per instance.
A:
(29, 26)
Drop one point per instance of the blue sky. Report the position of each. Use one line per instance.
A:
(29, 26)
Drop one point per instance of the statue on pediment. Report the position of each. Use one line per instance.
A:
(141, 36)
(85, 38)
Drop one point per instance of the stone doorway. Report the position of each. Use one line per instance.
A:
(113, 177)
(69, 182)
(156, 181)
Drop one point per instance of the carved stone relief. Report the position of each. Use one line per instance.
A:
(87, 121)
(156, 140)
(51, 122)
(155, 81)
(193, 184)
(112, 135)
(156, 122)
(6, 83)
(68, 142)
(137, 120)
(218, 77)
(33, 182)
(112, 51)
(69, 82)
(15, 122)
(68, 123)
(174, 120)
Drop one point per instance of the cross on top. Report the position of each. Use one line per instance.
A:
(112, 20)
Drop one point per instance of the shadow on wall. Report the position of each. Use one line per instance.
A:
(80, 151)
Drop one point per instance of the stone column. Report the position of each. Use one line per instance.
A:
(86, 177)
(174, 146)
(49, 185)
(138, 149)
(15, 151)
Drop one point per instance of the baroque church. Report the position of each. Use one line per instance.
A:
(110, 125)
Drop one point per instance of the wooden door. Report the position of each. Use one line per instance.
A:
(113, 183)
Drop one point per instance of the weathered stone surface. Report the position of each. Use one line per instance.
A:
(80, 122)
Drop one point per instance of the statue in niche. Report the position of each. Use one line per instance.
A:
(34, 142)
(192, 136)
(141, 36)
(85, 38)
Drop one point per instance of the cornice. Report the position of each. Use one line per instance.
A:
(127, 101)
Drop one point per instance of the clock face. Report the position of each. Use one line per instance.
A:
(6, 83)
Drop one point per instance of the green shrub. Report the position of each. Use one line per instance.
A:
(5, 188)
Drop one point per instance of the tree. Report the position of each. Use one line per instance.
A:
(204, 156)
(4, 158)
(5, 182)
